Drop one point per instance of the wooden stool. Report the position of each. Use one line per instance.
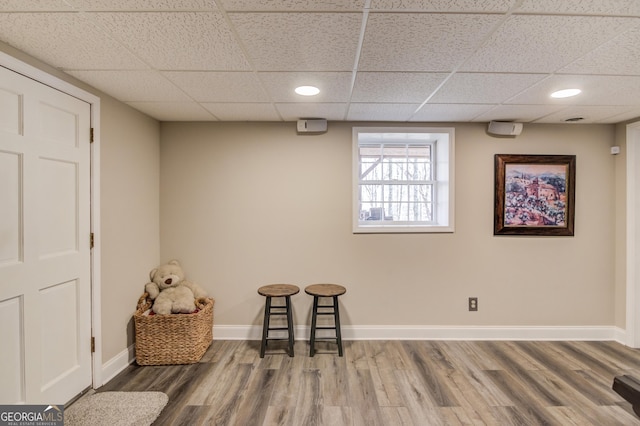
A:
(325, 290)
(277, 290)
(628, 387)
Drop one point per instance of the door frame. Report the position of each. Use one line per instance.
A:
(633, 236)
(44, 77)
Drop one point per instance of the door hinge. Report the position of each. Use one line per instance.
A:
(91, 240)
(93, 344)
(91, 135)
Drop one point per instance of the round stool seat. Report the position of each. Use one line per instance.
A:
(278, 290)
(325, 290)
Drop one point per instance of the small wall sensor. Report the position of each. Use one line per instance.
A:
(615, 150)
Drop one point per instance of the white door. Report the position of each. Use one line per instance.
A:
(633, 236)
(45, 289)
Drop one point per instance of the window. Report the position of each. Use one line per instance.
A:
(402, 179)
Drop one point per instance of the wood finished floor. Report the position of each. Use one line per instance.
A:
(395, 383)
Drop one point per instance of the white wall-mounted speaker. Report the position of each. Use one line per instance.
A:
(504, 128)
(314, 125)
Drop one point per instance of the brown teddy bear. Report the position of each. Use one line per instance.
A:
(170, 292)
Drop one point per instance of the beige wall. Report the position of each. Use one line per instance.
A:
(245, 204)
(129, 200)
(130, 229)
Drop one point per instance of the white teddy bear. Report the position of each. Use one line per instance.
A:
(170, 292)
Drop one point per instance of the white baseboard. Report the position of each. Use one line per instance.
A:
(115, 365)
(418, 332)
(620, 335)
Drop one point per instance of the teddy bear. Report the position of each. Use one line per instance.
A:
(170, 291)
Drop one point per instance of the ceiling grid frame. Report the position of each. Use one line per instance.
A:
(592, 43)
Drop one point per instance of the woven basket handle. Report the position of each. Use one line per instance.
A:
(201, 302)
(144, 302)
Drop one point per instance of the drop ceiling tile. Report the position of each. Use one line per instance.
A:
(381, 112)
(74, 45)
(299, 41)
(519, 113)
(334, 86)
(219, 86)
(590, 114)
(243, 111)
(631, 114)
(292, 5)
(483, 88)
(177, 41)
(620, 56)
(449, 112)
(596, 90)
(295, 111)
(173, 111)
(130, 86)
(395, 86)
(582, 7)
(443, 5)
(142, 5)
(421, 42)
(543, 43)
(34, 6)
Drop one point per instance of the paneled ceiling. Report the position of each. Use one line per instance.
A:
(373, 60)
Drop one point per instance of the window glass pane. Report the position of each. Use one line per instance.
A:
(371, 211)
(419, 151)
(394, 166)
(420, 193)
(419, 162)
(371, 193)
(370, 150)
(394, 169)
(410, 212)
(370, 166)
(370, 169)
(418, 170)
(420, 212)
(395, 211)
(396, 193)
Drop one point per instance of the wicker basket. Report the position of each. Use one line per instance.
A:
(175, 338)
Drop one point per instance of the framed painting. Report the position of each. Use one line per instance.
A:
(534, 194)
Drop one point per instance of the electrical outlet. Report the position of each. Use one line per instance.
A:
(473, 303)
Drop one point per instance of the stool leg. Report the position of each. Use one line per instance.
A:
(265, 326)
(337, 323)
(314, 313)
(289, 324)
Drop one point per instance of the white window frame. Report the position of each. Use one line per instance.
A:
(443, 198)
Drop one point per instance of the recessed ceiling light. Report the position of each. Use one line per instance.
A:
(566, 93)
(307, 90)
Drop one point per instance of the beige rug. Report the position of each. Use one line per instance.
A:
(116, 409)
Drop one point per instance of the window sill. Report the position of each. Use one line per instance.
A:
(402, 229)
